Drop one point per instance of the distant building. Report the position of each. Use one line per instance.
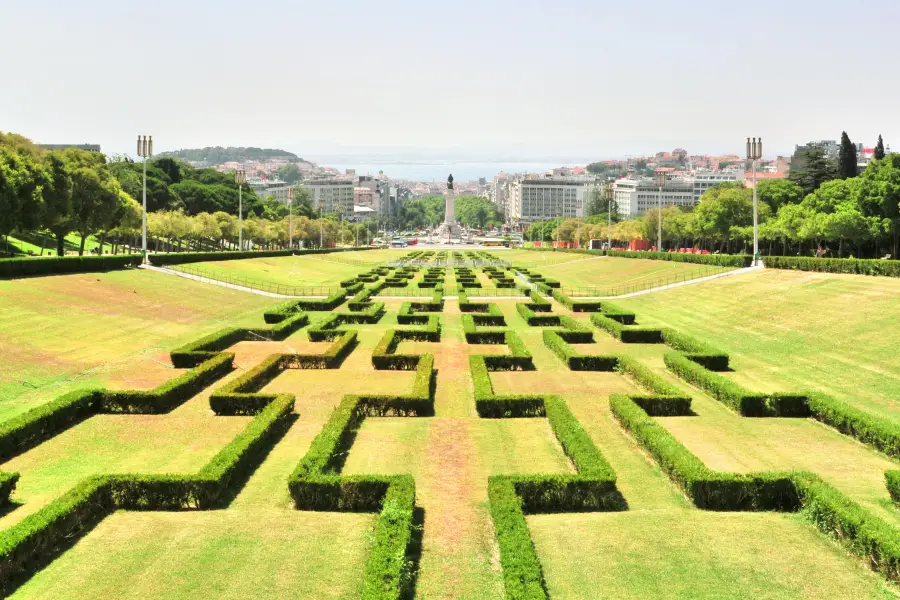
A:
(762, 177)
(539, 198)
(703, 180)
(633, 197)
(332, 195)
(88, 147)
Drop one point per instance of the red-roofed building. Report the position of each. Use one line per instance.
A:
(748, 179)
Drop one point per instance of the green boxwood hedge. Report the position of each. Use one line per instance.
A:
(178, 258)
(857, 266)
(19, 267)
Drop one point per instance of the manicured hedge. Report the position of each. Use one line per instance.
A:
(536, 319)
(198, 351)
(628, 335)
(170, 394)
(733, 394)
(695, 350)
(858, 266)
(38, 538)
(724, 260)
(7, 485)
(289, 308)
(178, 258)
(558, 341)
(892, 481)
(576, 305)
(869, 429)
(707, 489)
(611, 311)
(18, 267)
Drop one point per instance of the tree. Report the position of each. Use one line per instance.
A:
(290, 173)
(96, 203)
(847, 159)
(879, 193)
(58, 200)
(778, 192)
(810, 169)
(476, 211)
(722, 207)
(879, 149)
(21, 184)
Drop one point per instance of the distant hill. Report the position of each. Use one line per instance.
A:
(217, 155)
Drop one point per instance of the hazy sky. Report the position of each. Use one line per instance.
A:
(520, 78)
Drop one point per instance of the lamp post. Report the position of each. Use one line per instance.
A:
(609, 199)
(754, 153)
(291, 218)
(240, 176)
(660, 183)
(145, 151)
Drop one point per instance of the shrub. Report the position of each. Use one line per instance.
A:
(576, 305)
(7, 485)
(611, 311)
(858, 266)
(177, 258)
(892, 481)
(45, 421)
(19, 267)
(865, 427)
(170, 394)
(697, 351)
(628, 335)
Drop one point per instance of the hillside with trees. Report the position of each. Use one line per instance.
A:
(217, 155)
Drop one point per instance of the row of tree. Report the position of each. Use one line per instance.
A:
(64, 192)
(860, 212)
(471, 211)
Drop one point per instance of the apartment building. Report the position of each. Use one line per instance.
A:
(634, 197)
(536, 198)
(703, 180)
(332, 195)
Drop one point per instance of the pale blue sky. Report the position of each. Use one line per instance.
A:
(520, 78)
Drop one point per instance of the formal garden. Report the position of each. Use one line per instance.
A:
(448, 424)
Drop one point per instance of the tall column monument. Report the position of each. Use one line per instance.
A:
(450, 209)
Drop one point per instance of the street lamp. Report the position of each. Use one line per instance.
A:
(754, 153)
(660, 184)
(291, 218)
(145, 151)
(609, 199)
(240, 176)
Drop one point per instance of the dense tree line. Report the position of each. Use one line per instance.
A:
(418, 213)
(64, 192)
(817, 208)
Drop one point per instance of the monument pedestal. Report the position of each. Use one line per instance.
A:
(450, 228)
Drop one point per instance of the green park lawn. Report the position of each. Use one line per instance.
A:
(283, 270)
(63, 332)
(259, 546)
(788, 330)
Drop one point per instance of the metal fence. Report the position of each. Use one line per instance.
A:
(639, 286)
(258, 284)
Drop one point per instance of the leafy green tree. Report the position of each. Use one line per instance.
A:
(811, 169)
(879, 149)
(476, 211)
(21, 183)
(290, 173)
(96, 203)
(847, 159)
(778, 192)
(879, 193)
(723, 207)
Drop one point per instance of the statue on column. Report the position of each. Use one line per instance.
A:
(450, 182)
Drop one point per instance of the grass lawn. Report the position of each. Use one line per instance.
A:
(284, 270)
(259, 546)
(63, 332)
(789, 331)
(618, 274)
(690, 554)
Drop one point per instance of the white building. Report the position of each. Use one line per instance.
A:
(331, 196)
(703, 180)
(537, 198)
(633, 197)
